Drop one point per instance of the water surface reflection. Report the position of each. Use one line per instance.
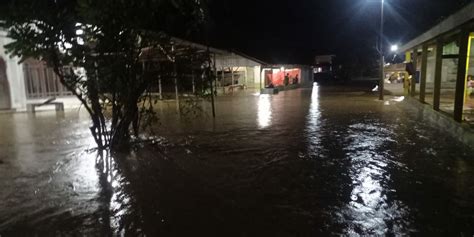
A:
(264, 111)
(370, 210)
(304, 162)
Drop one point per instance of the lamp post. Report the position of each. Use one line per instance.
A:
(394, 48)
(382, 57)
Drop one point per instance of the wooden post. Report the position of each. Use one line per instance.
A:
(245, 78)
(232, 74)
(215, 75)
(413, 78)
(215, 80)
(438, 69)
(194, 81)
(222, 80)
(424, 66)
(210, 78)
(461, 75)
(159, 87)
(175, 77)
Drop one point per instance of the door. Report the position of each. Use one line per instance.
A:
(4, 87)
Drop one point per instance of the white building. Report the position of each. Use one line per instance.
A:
(28, 82)
(232, 68)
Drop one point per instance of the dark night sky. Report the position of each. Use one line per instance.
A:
(283, 31)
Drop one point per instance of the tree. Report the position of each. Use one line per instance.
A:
(107, 52)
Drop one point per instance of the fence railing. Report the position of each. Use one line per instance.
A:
(41, 81)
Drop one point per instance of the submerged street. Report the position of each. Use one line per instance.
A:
(304, 162)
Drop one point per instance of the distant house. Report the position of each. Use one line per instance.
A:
(323, 63)
(297, 74)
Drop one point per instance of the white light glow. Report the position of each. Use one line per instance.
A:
(313, 126)
(394, 48)
(264, 115)
(80, 41)
(399, 99)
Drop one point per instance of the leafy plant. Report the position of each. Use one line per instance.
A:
(108, 53)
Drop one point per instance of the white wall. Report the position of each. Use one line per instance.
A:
(257, 75)
(16, 82)
(14, 75)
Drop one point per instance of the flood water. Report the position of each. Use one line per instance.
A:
(302, 163)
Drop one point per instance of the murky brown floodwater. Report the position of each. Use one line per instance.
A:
(304, 162)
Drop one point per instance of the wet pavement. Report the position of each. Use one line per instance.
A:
(302, 163)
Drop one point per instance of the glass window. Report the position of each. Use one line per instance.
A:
(448, 77)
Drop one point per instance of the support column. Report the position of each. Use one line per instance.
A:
(232, 75)
(194, 81)
(159, 87)
(203, 89)
(245, 78)
(222, 80)
(214, 80)
(424, 66)
(438, 69)
(461, 75)
(413, 78)
(211, 83)
(175, 76)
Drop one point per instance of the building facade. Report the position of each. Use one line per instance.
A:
(443, 63)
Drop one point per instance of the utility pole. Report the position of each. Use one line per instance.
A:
(382, 57)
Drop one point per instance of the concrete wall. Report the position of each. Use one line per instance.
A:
(462, 132)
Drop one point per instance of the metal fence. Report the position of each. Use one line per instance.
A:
(41, 81)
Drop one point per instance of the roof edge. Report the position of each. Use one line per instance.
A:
(454, 21)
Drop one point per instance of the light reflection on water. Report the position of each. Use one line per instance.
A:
(370, 210)
(314, 122)
(264, 114)
(47, 171)
(238, 180)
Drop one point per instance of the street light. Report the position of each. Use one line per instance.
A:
(394, 48)
(382, 58)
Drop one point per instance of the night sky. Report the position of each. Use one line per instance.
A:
(283, 31)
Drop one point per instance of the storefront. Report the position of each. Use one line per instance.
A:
(285, 75)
